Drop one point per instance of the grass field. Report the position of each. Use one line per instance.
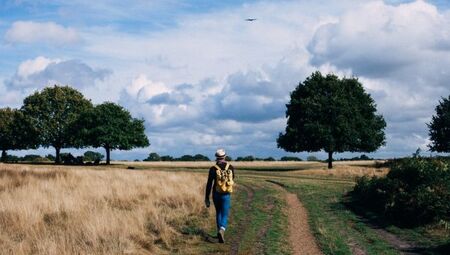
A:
(157, 208)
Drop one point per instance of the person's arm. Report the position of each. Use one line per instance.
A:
(209, 187)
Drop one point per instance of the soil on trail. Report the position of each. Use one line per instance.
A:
(300, 236)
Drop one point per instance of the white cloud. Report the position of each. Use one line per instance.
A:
(142, 89)
(37, 73)
(41, 32)
(40, 72)
(378, 39)
(33, 66)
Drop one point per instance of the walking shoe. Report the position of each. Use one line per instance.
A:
(221, 235)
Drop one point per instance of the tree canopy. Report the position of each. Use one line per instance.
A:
(16, 132)
(331, 114)
(53, 111)
(439, 127)
(112, 127)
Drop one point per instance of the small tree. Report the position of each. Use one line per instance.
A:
(312, 158)
(54, 111)
(186, 158)
(93, 156)
(110, 126)
(16, 132)
(200, 157)
(439, 128)
(290, 158)
(153, 157)
(331, 114)
(246, 158)
(50, 157)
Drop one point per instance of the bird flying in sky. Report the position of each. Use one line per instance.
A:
(250, 19)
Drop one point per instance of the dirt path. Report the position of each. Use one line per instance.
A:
(300, 237)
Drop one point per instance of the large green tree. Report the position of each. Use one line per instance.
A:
(331, 114)
(54, 111)
(439, 127)
(112, 127)
(16, 132)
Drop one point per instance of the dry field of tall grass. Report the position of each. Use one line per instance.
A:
(345, 169)
(208, 164)
(62, 210)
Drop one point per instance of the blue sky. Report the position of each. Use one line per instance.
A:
(204, 78)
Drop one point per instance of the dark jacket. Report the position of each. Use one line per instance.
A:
(212, 177)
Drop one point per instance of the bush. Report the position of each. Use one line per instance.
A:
(12, 159)
(186, 158)
(69, 159)
(34, 158)
(167, 158)
(246, 158)
(312, 158)
(93, 156)
(415, 192)
(50, 157)
(200, 157)
(288, 158)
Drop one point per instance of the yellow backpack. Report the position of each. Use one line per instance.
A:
(224, 179)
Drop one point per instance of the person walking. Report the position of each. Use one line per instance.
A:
(221, 177)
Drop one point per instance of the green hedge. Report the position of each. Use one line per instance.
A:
(415, 192)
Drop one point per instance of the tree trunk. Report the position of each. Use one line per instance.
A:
(108, 155)
(3, 159)
(330, 159)
(57, 156)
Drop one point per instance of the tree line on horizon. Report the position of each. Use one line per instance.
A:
(200, 157)
(61, 117)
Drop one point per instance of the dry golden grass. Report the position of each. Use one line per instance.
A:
(72, 211)
(342, 170)
(345, 169)
(207, 164)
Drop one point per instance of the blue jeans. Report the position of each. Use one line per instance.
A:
(222, 203)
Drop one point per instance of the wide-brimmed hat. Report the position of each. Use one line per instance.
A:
(220, 153)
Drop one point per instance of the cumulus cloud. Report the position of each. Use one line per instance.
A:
(32, 66)
(41, 71)
(142, 89)
(41, 32)
(377, 39)
(37, 73)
